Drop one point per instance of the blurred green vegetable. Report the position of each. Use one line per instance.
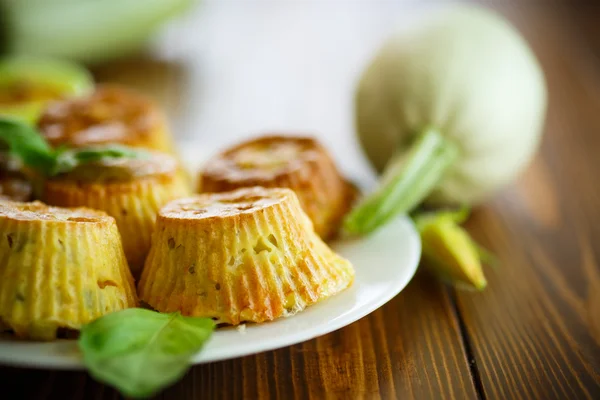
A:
(410, 177)
(28, 83)
(450, 110)
(83, 30)
(449, 251)
(140, 351)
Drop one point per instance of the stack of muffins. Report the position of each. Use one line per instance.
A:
(249, 247)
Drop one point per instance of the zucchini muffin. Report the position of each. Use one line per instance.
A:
(297, 163)
(111, 114)
(132, 190)
(60, 269)
(245, 255)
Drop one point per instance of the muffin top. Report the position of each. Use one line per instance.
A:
(264, 158)
(36, 211)
(124, 169)
(111, 114)
(241, 201)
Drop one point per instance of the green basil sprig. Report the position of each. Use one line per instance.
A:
(27, 144)
(139, 351)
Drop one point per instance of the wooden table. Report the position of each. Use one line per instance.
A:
(235, 68)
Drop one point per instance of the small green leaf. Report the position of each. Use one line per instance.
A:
(67, 160)
(112, 151)
(26, 143)
(140, 351)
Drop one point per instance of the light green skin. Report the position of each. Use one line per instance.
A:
(65, 78)
(468, 74)
(85, 31)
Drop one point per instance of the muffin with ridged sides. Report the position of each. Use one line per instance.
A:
(111, 114)
(297, 163)
(60, 269)
(132, 190)
(246, 255)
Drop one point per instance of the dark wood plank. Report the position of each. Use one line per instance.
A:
(407, 349)
(587, 15)
(410, 348)
(534, 331)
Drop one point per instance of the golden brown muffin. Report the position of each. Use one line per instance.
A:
(111, 114)
(130, 190)
(298, 163)
(60, 268)
(246, 255)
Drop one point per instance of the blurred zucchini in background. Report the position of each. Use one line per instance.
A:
(83, 30)
(450, 110)
(28, 83)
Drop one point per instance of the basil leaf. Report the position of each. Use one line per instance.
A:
(140, 351)
(27, 144)
(67, 160)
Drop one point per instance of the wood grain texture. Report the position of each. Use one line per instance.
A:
(409, 348)
(534, 331)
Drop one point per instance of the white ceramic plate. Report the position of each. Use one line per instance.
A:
(384, 262)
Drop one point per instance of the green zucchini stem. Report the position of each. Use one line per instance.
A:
(407, 180)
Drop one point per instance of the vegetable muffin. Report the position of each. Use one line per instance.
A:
(111, 114)
(132, 190)
(245, 255)
(297, 163)
(60, 268)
